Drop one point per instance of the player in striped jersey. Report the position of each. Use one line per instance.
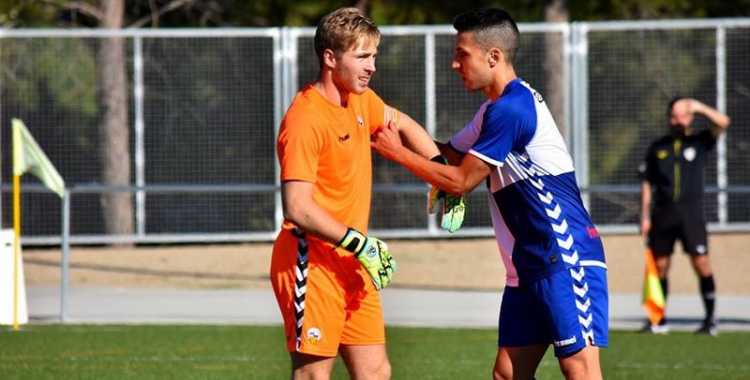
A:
(556, 282)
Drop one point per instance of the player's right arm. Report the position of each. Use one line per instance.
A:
(719, 121)
(457, 180)
(645, 175)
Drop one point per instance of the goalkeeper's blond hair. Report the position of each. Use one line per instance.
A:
(344, 29)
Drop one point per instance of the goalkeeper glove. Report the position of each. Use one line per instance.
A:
(373, 254)
(454, 208)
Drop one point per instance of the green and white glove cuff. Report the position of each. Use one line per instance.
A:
(353, 241)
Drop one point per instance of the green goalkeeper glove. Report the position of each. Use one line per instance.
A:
(373, 254)
(454, 208)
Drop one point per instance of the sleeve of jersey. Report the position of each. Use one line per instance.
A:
(468, 135)
(298, 147)
(500, 133)
(378, 112)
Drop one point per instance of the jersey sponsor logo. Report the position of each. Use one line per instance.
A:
(689, 154)
(593, 233)
(314, 335)
(538, 96)
(566, 342)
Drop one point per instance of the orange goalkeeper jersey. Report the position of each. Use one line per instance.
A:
(325, 296)
(329, 145)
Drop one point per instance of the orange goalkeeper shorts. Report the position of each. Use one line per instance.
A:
(325, 296)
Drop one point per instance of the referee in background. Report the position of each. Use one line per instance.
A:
(673, 173)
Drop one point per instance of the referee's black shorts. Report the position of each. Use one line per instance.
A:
(684, 222)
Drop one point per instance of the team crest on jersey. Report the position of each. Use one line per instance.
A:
(690, 154)
(314, 335)
(662, 154)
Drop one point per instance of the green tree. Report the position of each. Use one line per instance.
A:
(111, 62)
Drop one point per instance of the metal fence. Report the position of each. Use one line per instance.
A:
(204, 107)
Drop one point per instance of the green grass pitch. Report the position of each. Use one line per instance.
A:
(162, 352)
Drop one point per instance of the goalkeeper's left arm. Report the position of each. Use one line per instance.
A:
(414, 136)
(416, 139)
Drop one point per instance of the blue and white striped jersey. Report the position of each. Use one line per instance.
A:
(538, 216)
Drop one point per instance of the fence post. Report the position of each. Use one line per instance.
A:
(65, 262)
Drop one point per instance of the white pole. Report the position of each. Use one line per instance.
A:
(65, 261)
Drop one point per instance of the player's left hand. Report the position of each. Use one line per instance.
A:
(453, 209)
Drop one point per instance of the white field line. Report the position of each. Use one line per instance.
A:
(701, 367)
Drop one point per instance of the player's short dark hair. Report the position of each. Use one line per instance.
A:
(492, 27)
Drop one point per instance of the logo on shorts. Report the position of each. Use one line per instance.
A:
(566, 342)
(314, 335)
(700, 248)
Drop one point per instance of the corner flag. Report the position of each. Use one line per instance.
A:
(653, 295)
(28, 156)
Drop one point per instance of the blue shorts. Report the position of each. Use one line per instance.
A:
(568, 309)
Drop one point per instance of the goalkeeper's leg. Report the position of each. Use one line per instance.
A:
(366, 362)
(327, 301)
(311, 366)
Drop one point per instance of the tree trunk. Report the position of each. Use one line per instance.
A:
(555, 11)
(364, 6)
(114, 135)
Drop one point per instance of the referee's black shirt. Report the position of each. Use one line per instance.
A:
(676, 167)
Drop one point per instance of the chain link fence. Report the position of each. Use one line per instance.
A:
(203, 108)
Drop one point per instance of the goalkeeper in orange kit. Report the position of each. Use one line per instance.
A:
(325, 270)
